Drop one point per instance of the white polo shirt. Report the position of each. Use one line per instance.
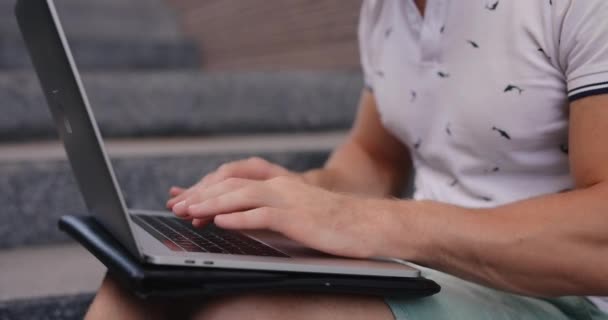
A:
(479, 90)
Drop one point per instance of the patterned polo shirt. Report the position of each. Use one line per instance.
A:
(479, 90)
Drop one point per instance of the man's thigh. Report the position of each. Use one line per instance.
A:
(462, 300)
(458, 300)
(296, 306)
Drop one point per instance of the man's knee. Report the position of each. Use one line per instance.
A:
(113, 301)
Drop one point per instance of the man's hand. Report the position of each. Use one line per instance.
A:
(252, 168)
(330, 222)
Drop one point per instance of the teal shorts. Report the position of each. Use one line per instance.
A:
(462, 300)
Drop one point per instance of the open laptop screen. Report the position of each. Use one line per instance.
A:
(74, 120)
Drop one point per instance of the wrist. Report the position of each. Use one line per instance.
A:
(316, 177)
(398, 234)
(413, 230)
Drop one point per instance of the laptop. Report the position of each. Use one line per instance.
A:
(157, 238)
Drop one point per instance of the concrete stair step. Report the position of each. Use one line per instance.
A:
(172, 103)
(69, 307)
(115, 35)
(48, 282)
(111, 54)
(37, 186)
(149, 19)
(68, 269)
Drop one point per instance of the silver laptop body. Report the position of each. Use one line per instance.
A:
(69, 105)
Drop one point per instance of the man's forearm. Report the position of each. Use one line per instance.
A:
(550, 245)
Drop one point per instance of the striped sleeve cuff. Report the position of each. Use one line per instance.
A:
(588, 82)
(588, 90)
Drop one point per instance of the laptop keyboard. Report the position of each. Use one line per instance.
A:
(180, 235)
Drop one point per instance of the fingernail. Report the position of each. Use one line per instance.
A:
(179, 205)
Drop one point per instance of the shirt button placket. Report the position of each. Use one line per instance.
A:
(430, 36)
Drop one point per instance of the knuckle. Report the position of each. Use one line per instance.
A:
(193, 198)
(233, 182)
(206, 178)
(213, 202)
(249, 193)
(269, 218)
(225, 169)
(281, 180)
(257, 161)
(263, 213)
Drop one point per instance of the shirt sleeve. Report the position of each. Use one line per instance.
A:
(583, 47)
(366, 22)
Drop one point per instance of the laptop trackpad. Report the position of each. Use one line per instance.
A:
(286, 245)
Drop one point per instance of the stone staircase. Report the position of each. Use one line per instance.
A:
(131, 35)
(165, 121)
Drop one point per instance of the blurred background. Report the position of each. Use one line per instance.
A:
(178, 87)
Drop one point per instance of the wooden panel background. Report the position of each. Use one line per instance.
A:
(273, 34)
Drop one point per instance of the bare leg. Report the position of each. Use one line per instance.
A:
(114, 302)
(296, 306)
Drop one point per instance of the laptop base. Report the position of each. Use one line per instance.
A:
(147, 280)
